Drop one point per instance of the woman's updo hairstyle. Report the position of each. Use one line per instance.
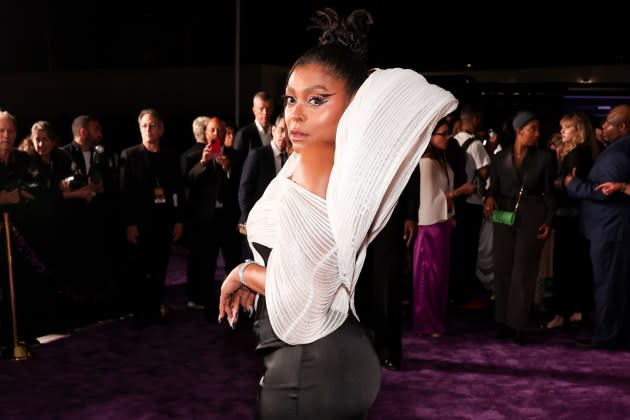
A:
(342, 46)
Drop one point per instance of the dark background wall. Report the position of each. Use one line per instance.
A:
(62, 58)
(117, 96)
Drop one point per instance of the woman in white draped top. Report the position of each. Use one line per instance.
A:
(356, 140)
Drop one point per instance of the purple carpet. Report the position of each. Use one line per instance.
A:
(193, 369)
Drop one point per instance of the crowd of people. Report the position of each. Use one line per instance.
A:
(365, 178)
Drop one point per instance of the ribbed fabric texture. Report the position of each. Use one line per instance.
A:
(318, 246)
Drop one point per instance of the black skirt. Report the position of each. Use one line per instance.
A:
(335, 377)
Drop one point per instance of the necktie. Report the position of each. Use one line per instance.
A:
(283, 158)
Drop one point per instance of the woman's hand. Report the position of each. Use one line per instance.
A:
(409, 232)
(234, 296)
(569, 178)
(26, 195)
(489, 207)
(450, 196)
(464, 189)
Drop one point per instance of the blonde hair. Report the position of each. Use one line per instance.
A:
(584, 132)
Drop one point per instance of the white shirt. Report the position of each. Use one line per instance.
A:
(87, 158)
(265, 137)
(434, 182)
(476, 158)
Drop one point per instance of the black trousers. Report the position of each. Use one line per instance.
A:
(378, 296)
(200, 269)
(516, 254)
(611, 275)
(463, 282)
(572, 268)
(335, 377)
(148, 262)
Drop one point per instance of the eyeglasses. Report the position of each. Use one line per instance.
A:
(441, 133)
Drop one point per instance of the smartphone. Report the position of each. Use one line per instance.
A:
(215, 147)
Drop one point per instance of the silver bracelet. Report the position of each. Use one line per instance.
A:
(241, 271)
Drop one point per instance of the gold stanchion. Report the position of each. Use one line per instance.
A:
(20, 351)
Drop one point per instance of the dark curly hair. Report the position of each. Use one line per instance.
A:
(342, 46)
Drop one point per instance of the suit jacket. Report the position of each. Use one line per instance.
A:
(247, 139)
(605, 218)
(258, 171)
(141, 172)
(536, 174)
(100, 169)
(76, 155)
(205, 185)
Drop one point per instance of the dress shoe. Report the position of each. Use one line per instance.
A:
(390, 364)
(584, 343)
(520, 337)
(588, 344)
(504, 332)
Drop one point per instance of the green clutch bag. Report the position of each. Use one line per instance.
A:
(504, 217)
(508, 217)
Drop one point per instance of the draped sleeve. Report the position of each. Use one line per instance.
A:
(318, 246)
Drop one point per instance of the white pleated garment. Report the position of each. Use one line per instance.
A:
(318, 245)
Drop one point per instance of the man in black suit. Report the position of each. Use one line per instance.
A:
(87, 222)
(151, 194)
(258, 133)
(261, 166)
(606, 222)
(211, 176)
(195, 181)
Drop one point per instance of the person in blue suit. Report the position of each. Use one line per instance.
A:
(606, 223)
